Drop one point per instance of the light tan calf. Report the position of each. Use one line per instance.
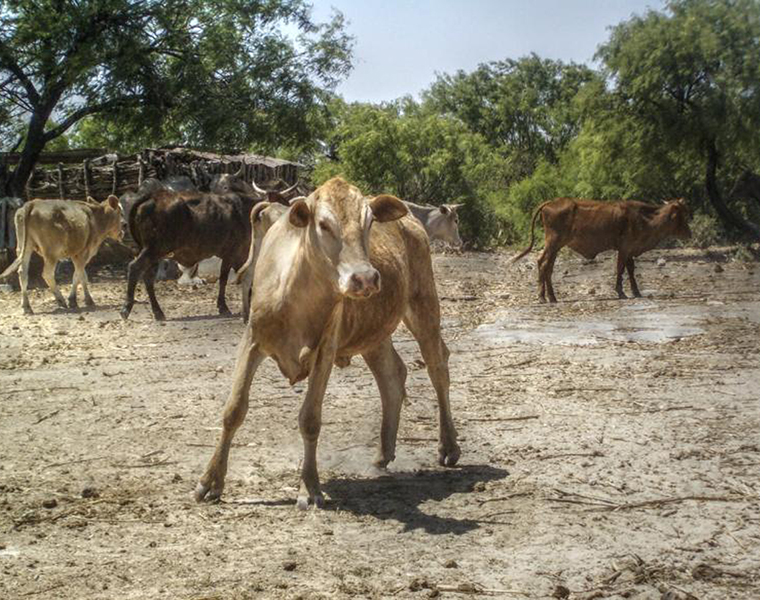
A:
(331, 284)
(263, 216)
(57, 229)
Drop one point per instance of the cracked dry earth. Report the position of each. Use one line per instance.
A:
(610, 449)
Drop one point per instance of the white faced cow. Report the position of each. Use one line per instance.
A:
(335, 277)
(440, 222)
(57, 229)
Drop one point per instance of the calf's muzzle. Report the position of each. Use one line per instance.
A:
(362, 284)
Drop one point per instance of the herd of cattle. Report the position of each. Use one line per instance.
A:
(325, 277)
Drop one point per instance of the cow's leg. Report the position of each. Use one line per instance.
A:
(541, 281)
(74, 284)
(149, 279)
(23, 278)
(547, 269)
(48, 274)
(249, 358)
(221, 303)
(619, 276)
(634, 286)
(134, 272)
(390, 374)
(424, 321)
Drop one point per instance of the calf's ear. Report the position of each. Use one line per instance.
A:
(299, 213)
(444, 209)
(387, 208)
(91, 200)
(113, 201)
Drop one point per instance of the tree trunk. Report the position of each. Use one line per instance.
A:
(729, 218)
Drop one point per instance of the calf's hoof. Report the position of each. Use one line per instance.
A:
(89, 302)
(622, 296)
(448, 456)
(27, 309)
(318, 500)
(225, 311)
(207, 492)
(61, 302)
(73, 304)
(125, 310)
(159, 315)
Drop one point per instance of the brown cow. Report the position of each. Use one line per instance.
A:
(187, 227)
(590, 227)
(57, 229)
(318, 301)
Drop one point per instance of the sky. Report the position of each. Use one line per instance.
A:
(400, 45)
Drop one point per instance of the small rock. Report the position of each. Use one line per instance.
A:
(561, 592)
(661, 262)
(90, 492)
(49, 503)
(480, 486)
(592, 291)
(81, 318)
(718, 268)
(289, 565)
(451, 564)
(176, 478)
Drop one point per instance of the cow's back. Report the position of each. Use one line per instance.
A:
(58, 228)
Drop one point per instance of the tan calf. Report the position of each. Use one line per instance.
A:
(334, 279)
(57, 229)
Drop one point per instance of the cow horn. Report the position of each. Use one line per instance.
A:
(239, 172)
(256, 188)
(290, 189)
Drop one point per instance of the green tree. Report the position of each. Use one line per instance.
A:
(215, 73)
(526, 108)
(421, 157)
(686, 83)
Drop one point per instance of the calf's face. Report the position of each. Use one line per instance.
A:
(339, 226)
(114, 218)
(445, 224)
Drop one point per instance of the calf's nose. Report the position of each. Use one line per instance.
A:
(364, 283)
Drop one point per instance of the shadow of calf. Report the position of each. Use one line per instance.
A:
(400, 496)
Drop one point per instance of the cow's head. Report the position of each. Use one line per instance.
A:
(443, 224)
(338, 219)
(113, 216)
(678, 218)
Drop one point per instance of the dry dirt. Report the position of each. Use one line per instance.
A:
(610, 449)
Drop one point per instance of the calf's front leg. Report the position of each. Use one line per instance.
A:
(249, 358)
(634, 286)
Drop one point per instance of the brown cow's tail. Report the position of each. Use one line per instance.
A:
(20, 223)
(532, 234)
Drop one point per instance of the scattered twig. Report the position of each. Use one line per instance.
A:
(46, 417)
(44, 591)
(550, 456)
(501, 498)
(487, 419)
(146, 465)
(661, 501)
(43, 389)
(474, 588)
(74, 462)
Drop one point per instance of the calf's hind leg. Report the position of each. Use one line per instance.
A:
(23, 279)
(149, 279)
(619, 276)
(249, 358)
(48, 274)
(390, 374)
(424, 321)
(221, 303)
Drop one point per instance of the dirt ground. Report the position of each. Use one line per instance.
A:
(610, 449)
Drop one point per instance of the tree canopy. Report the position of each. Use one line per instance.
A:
(213, 73)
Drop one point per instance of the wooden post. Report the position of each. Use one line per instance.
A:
(86, 168)
(115, 173)
(60, 181)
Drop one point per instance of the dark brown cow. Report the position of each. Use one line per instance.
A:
(590, 227)
(187, 227)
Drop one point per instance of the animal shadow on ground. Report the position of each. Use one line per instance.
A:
(401, 495)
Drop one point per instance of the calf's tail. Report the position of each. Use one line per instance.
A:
(532, 234)
(20, 223)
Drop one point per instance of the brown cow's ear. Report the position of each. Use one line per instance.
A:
(299, 214)
(444, 209)
(113, 201)
(387, 208)
(91, 200)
